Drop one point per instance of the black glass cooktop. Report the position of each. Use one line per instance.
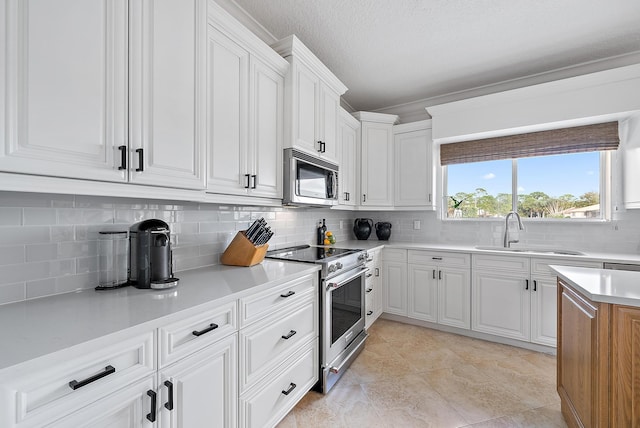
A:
(308, 254)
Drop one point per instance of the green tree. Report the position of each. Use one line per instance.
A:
(589, 198)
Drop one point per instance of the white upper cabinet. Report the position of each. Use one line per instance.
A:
(167, 92)
(376, 150)
(413, 156)
(246, 111)
(348, 128)
(312, 101)
(63, 87)
(104, 90)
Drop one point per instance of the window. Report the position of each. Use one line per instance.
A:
(556, 174)
(553, 187)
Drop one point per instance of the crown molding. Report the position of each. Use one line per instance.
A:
(367, 116)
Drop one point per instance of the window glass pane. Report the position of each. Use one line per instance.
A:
(479, 189)
(562, 186)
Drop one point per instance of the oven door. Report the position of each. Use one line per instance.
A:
(343, 312)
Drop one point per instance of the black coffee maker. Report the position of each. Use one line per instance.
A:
(150, 255)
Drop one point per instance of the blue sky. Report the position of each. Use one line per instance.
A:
(575, 174)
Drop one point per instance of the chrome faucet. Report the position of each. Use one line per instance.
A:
(507, 241)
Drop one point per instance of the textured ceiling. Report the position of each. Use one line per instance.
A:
(391, 52)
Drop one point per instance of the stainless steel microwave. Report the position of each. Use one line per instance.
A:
(309, 180)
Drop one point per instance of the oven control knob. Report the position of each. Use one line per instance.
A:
(332, 268)
(362, 257)
(339, 266)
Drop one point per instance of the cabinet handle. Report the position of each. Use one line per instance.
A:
(526, 284)
(535, 285)
(369, 275)
(346, 196)
(289, 294)
(248, 177)
(364, 197)
(324, 147)
(254, 178)
(212, 326)
(292, 386)
(369, 290)
(169, 404)
(377, 271)
(74, 384)
(429, 197)
(319, 146)
(290, 335)
(151, 416)
(140, 153)
(439, 274)
(123, 157)
(436, 258)
(369, 313)
(434, 274)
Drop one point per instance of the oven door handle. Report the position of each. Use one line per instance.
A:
(336, 285)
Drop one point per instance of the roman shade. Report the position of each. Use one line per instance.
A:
(588, 138)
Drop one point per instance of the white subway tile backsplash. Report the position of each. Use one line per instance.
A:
(40, 217)
(41, 252)
(12, 293)
(24, 272)
(10, 255)
(10, 216)
(24, 235)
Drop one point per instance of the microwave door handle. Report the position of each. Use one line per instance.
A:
(333, 185)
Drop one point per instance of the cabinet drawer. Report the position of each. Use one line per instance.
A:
(270, 301)
(41, 391)
(266, 343)
(266, 404)
(394, 255)
(541, 266)
(510, 263)
(439, 257)
(182, 338)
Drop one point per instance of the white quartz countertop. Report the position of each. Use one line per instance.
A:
(603, 285)
(34, 328)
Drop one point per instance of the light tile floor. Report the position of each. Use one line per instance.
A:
(410, 376)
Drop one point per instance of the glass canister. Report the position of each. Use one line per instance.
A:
(113, 259)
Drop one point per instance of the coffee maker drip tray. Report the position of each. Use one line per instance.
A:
(164, 283)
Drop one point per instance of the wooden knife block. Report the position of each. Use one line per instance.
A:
(241, 252)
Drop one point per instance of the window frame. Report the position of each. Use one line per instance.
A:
(605, 193)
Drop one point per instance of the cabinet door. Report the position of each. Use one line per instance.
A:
(168, 42)
(347, 146)
(423, 292)
(266, 131)
(544, 310)
(228, 75)
(379, 296)
(305, 108)
(454, 297)
(395, 288)
(377, 164)
(63, 87)
(583, 359)
(413, 169)
(130, 407)
(625, 366)
(501, 304)
(204, 388)
(329, 108)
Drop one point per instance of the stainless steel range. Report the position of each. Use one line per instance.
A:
(342, 280)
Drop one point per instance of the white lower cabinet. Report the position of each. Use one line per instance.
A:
(439, 287)
(278, 351)
(394, 274)
(130, 407)
(200, 390)
(515, 297)
(373, 288)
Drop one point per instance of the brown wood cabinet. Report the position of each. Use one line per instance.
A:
(598, 361)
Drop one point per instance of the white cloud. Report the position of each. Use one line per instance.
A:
(520, 189)
(489, 176)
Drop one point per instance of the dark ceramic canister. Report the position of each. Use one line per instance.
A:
(383, 230)
(362, 228)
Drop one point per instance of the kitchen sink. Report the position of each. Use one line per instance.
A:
(532, 250)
